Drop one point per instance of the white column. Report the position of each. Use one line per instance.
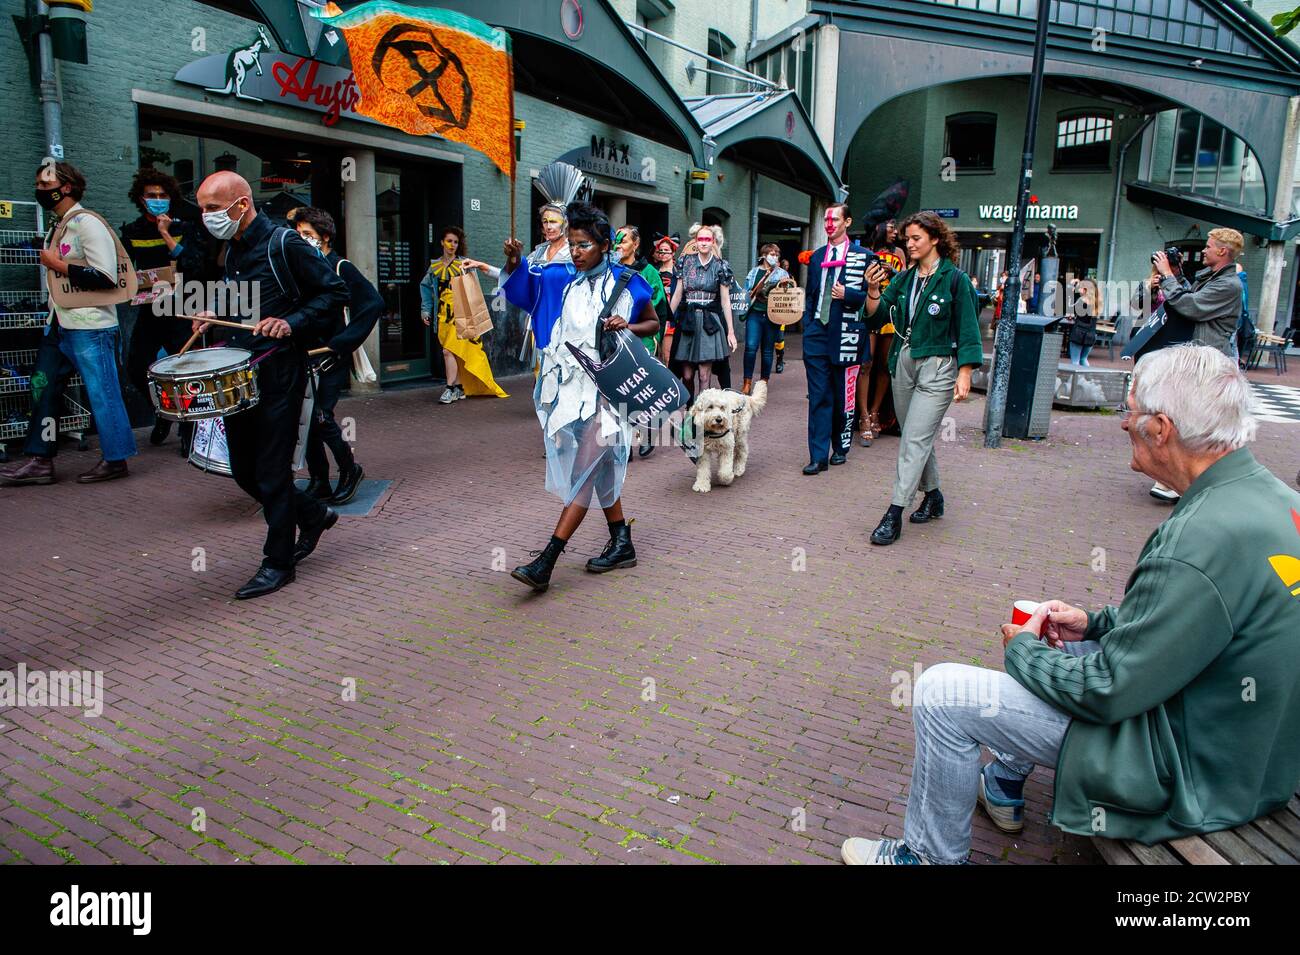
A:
(618, 214)
(362, 238)
(827, 84)
(1275, 262)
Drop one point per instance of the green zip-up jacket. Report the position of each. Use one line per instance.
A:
(1187, 720)
(944, 327)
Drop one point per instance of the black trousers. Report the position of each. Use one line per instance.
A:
(261, 442)
(324, 429)
(149, 333)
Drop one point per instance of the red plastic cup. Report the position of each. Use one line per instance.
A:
(1022, 610)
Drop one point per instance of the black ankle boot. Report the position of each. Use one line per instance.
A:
(931, 508)
(617, 553)
(890, 527)
(538, 573)
(319, 488)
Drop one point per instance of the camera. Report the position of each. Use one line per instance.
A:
(874, 259)
(1175, 258)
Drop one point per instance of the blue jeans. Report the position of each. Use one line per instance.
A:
(955, 708)
(1079, 354)
(92, 353)
(759, 334)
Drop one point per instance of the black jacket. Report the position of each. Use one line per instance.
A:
(290, 280)
(365, 305)
(148, 249)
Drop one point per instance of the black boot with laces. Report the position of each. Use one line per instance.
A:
(538, 573)
(617, 553)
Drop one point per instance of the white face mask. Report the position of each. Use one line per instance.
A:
(220, 224)
(771, 260)
(311, 240)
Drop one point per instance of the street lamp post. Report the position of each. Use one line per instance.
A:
(1002, 342)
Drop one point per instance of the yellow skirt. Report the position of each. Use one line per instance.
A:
(475, 372)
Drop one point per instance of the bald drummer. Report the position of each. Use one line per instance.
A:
(297, 295)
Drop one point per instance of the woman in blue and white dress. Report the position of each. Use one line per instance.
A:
(586, 443)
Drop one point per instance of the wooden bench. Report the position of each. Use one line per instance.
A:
(1106, 338)
(1269, 840)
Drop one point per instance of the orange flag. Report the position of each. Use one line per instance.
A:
(425, 71)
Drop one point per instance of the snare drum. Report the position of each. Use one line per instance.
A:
(203, 383)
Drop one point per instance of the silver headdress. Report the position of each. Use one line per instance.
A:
(561, 183)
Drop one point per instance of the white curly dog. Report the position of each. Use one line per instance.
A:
(721, 423)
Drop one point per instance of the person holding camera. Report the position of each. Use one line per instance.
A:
(1211, 303)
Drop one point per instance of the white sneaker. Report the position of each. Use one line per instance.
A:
(879, 852)
(448, 395)
(1166, 494)
(460, 393)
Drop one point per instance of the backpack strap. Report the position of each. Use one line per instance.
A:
(282, 274)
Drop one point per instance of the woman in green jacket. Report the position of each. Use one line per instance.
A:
(936, 347)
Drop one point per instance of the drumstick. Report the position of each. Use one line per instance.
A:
(320, 351)
(213, 321)
(193, 339)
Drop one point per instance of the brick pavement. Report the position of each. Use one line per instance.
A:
(479, 702)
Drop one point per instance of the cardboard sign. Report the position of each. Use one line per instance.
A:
(67, 295)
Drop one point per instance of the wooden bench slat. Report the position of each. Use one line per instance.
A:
(1290, 842)
(1115, 852)
(1196, 851)
(1287, 820)
(1262, 844)
(1234, 848)
(1153, 855)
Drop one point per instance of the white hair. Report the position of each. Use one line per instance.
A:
(1202, 391)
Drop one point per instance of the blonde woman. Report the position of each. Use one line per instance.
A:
(704, 329)
(1087, 309)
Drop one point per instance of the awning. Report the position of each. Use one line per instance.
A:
(1248, 221)
(633, 95)
(768, 132)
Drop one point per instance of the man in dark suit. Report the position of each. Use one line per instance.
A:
(834, 340)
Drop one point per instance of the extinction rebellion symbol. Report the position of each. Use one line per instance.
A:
(431, 75)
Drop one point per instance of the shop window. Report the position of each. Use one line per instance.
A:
(654, 15)
(969, 139)
(1083, 140)
(723, 49)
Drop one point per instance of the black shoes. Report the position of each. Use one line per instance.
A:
(319, 488)
(930, 509)
(537, 574)
(890, 527)
(161, 428)
(309, 536)
(814, 467)
(839, 457)
(267, 580)
(349, 481)
(617, 553)
(780, 363)
(645, 450)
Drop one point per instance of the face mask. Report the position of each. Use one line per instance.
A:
(49, 198)
(311, 240)
(220, 224)
(157, 207)
(771, 260)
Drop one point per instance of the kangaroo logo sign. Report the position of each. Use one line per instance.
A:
(249, 74)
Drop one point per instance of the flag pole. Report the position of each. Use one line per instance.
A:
(516, 140)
